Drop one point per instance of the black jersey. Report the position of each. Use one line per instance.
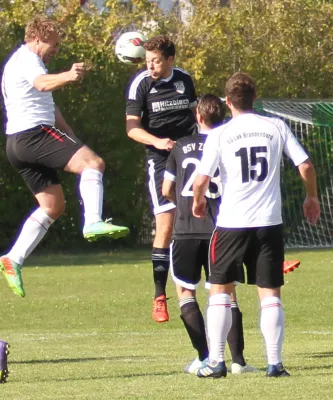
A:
(164, 104)
(181, 168)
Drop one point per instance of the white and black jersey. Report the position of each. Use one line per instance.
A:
(181, 168)
(248, 150)
(164, 105)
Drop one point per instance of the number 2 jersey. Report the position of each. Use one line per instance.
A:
(181, 169)
(248, 151)
(164, 105)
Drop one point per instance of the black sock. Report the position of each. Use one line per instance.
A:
(161, 260)
(236, 337)
(195, 326)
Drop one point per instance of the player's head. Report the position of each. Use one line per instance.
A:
(43, 37)
(210, 111)
(160, 55)
(240, 92)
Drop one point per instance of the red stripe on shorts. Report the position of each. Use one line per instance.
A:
(54, 134)
(212, 247)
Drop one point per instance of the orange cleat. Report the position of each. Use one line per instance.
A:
(160, 309)
(289, 266)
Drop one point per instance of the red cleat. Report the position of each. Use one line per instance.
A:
(289, 266)
(160, 309)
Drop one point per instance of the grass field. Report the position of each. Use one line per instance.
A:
(84, 331)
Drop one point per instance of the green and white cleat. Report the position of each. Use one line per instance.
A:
(12, 272)
(99, 229)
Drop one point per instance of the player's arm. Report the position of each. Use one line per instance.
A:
(136, 132)
(311, 206)
(200, 187)
(296, 153)
(50, 82)
(169, 190)
(170, 174)
(60, 122)
(206, 170)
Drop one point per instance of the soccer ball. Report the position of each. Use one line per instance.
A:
(129, 47)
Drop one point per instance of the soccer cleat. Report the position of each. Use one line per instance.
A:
(193, 366)
(212, 369)
(160, 309)
(276, 371)
(98, 229)
(3, 361)
(12, 272)
(237, 369)
(289, 266)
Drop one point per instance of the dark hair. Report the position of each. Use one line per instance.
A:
(212, 110)
(40, 27)
(162, 44)
(241, 91)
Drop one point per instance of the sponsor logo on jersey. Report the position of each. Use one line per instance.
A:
(179, 86)
(153, 90)
(170, 105)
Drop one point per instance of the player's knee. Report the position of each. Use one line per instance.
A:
(97, 163)
(163, 233)
(56, 210)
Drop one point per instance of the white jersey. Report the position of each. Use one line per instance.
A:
(248, 150)
(26, 106)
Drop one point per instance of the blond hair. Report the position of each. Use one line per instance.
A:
(41, 28)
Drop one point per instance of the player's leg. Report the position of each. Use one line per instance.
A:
(186, 264)
(84, 162)
(161, 263)
(44, 184)
(236, 339)
(163, 211)
(227, 248)
(269, 281)
(4, 351)
(51, 206)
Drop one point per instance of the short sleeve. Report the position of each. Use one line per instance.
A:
(192, 93)
(33, 68)
(211, 155)
(292, 147)
(136, 97)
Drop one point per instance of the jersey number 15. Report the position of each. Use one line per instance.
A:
(250, 172)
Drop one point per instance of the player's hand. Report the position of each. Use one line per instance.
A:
(76, 72)
(199, 208)
(311, 209)
(164, 144)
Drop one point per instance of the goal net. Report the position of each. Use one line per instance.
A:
(312, 123)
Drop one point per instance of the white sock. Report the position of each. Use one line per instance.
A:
(272, 328)
(32, 233)
(91, 189)
(219, 320)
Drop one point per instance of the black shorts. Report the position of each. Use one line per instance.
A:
(38, 152)
(156, 165)
(260, 250)
(188, 257)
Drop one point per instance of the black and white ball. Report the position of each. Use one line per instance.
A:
(129, 47)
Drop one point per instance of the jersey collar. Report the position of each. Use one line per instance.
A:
(168, 78)
(204, 132)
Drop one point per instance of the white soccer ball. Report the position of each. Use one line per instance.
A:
(129, 47)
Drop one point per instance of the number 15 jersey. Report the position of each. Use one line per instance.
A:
(181, 168)
(248, 150)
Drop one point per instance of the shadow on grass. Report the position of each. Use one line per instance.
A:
(125, 376)
(81, 259)
(325, 354)
(82, 360)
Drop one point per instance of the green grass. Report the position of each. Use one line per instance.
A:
(84, 331)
